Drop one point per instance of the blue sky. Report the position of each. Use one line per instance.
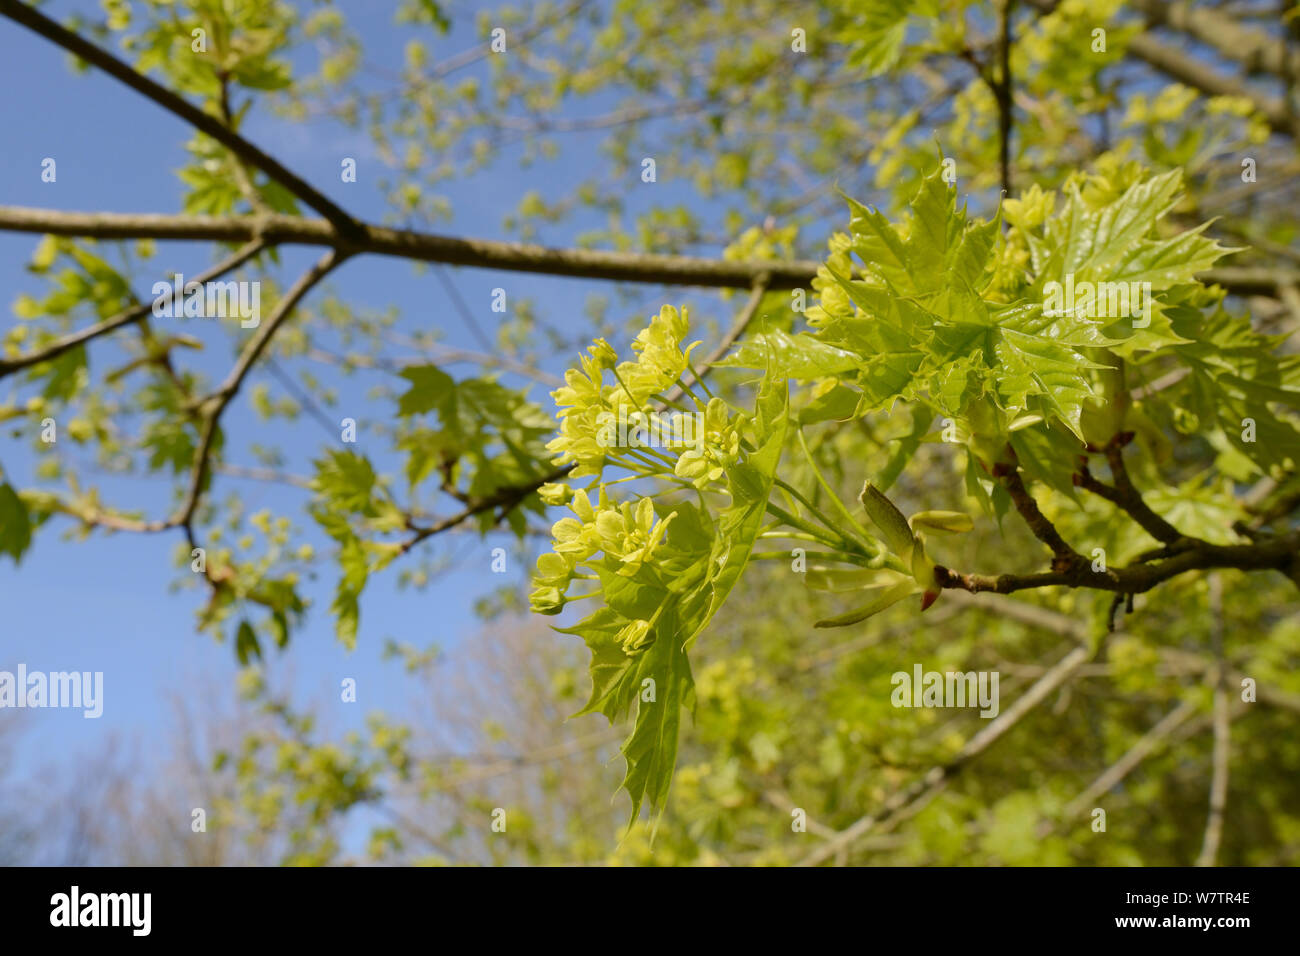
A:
(105, 604)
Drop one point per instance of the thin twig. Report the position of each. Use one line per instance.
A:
(1222, 725)
(126, 317)
(1146, 745)
(213, 405)
(924, 789)
(737, 329)
(1006, 101)
(1064, 556)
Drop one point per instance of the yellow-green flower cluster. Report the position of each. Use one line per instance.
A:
(607, 536)
(582, 400)
(627, 535)
(586, 402)
(834, 302)
(714, 451)
(661, 360)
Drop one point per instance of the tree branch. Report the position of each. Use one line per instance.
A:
(415, 246)
(37, 22)
(1126, 497)
(1281, 553)
(1187, 69)
(1255, 50)
(1064, 556)
(1006, 102)
(1179, 554)
(212, 405)
(507, 499)
(487, 253)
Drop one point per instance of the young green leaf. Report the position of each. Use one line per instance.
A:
(886, 598)
(941, 522)
(15, 527)
(893, 526)
(851, 579)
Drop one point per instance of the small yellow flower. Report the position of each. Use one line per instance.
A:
(634, 637)
(555, 494)
(580, 440)
(630, 534)
(714, 451)
(603, 355)
(554, 570)
(577, 391)
(547, 600)
(581, 506)
(574, 540)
